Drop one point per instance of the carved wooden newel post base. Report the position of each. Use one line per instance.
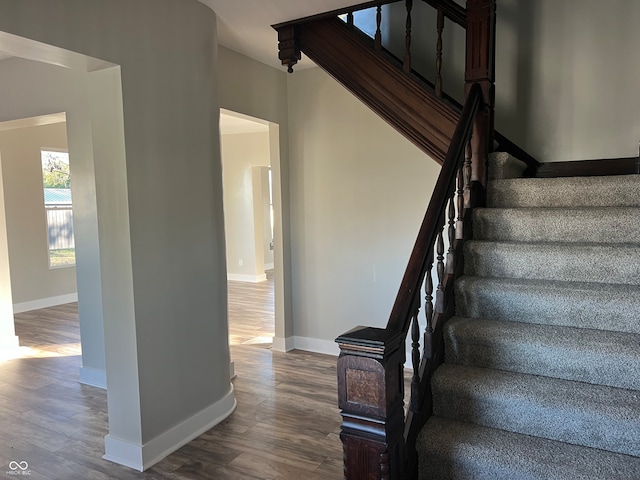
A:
(371, 395)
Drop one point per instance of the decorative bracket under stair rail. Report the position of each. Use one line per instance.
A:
(288, 50)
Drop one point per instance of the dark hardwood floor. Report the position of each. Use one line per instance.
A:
(285, 427)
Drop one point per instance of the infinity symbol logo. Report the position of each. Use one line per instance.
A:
(13, 465)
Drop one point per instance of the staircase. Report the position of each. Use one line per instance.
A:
(541, 378)
(523, 317)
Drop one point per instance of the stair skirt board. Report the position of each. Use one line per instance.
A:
(541, 378)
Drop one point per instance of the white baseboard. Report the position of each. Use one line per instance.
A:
(280, 344)
(268, 266)
(142, 457)
(316, 345)
(44, 303)
(239, 277)
(93, 377)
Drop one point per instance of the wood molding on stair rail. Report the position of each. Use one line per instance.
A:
(582, 168)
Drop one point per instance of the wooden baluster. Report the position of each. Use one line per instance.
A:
(440, 268)
(460, 204)
(452, 234)
(428, 307)
(407, 39)
(414, 403)
(440, 28)
(378, 36)
(467, 175)
(350, 19)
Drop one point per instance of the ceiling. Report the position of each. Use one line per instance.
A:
(245, 25)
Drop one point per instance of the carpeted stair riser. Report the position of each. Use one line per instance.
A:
(576, 225)
(586, 305)
(612, 191)
(582, 414)
(552, 261)
(578, 354)
(455, 450)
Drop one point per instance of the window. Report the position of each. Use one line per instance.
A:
(56, 182)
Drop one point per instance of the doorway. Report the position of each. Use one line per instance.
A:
(250, 225)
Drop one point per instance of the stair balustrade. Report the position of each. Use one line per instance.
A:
(378, 439)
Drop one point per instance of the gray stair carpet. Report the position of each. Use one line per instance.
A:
(541, 378)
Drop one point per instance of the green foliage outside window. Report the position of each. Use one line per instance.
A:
(55, 172)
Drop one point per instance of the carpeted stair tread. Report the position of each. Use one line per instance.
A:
(579, 354)
(541, 378)
(450, 450)
(573, 412)
(582, 262)
(587, 305)
(609, 191)
(609, 225)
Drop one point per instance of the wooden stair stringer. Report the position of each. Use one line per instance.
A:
(397, 97)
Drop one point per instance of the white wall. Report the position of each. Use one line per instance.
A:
(358, 194)
(32, 281)
(241, 154)
(158, 206)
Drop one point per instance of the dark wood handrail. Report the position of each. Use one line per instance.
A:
(416, 268)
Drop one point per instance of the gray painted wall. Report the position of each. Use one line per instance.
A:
(358, 194)
(566, 77)
(565, 72)
(161, 258)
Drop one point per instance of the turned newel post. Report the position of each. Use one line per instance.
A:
(288, 48)
(371, 395)
(480, 68)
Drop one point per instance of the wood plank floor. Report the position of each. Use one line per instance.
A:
(285, 427)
